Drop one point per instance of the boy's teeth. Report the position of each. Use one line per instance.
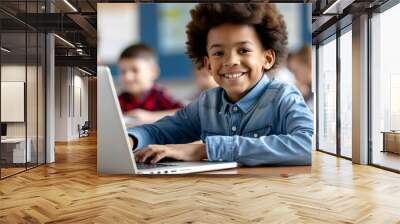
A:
(233, 75)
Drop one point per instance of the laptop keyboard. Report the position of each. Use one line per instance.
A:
(150, 166)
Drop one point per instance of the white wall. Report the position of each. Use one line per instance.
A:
(117, 24)
(71, 94)
(62, 81)
(80, 109)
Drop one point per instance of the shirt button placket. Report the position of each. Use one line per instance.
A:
(233, 128)
(235, 117)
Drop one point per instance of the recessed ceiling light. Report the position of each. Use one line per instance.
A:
(5, 50)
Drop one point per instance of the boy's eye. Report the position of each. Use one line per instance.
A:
(218, 53)
(243, 50)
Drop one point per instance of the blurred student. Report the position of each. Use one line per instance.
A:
(300, 64)
(203, 79)
(249, 118)
(142, 99)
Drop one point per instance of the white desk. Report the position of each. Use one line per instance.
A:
(131, 122)
(17, 150)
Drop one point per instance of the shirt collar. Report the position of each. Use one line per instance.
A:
(248, 100)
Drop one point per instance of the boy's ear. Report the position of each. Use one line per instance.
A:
(269, 56)
(156, 70)
(206, 63)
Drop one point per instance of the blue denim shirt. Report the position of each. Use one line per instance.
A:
(271, 125)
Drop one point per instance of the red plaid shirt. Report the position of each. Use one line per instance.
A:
(156, 99)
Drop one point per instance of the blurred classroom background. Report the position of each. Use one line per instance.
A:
(162, 26)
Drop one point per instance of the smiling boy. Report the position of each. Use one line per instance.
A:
(250, 118)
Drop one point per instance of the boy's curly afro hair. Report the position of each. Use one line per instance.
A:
(264, 17)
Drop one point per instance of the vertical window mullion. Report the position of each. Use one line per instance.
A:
(0, 92)
(317, 96)
(37, 89)
(338, 98)
(26, 86)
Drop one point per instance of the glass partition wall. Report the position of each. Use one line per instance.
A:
(334, 94)
(326, 104)
(385, 90)
(22, 77)
(334, 82)
(346, 92)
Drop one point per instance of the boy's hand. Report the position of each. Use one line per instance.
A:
(185, 152)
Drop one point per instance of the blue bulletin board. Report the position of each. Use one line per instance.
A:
(174, 63)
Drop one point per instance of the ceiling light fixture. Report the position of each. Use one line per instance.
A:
(84, 71)
(333, 6)
(5, 50)
(337, 7)
(64, 40)
(70, 5)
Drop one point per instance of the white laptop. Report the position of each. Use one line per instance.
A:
(114, 153)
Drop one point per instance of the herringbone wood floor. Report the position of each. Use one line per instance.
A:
(70, 191)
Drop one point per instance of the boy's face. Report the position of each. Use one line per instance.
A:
(137, 75)
(236, 58)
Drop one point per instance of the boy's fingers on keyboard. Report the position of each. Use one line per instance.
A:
(151, 151)
(158, 157)
(138, 156)
(147, 153)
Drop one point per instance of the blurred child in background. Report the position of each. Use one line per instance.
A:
(300, 64)
(142, 99)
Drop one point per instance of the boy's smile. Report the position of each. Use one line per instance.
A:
(236, 58)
